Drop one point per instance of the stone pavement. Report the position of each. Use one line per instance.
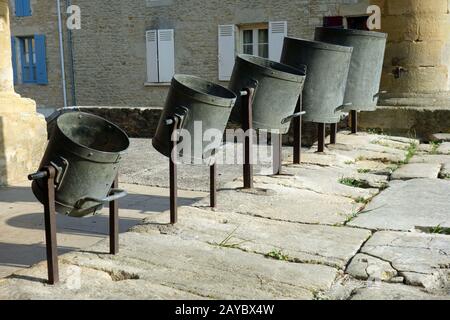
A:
(22, 240)
(335, 227)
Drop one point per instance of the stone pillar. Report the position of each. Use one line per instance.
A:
(417, 61)
(23, 131)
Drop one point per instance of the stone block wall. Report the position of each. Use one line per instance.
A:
(110, 53)
(44, 20)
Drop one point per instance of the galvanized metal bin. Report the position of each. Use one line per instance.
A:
(194, 100)
(328, 66)
(366, 66)
(278, 88)
(86, 151)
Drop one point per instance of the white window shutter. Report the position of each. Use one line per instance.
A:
(226, 51)
(277, 33)
(166, 54)
(152, 56)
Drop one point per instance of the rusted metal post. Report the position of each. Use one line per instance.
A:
(173, 175)
(114, 222)
(277, 145)
(247, 126)
(354, 119)
(333, 133)
(213, 185)
(297, 122)
(321, 137)
(50, 227)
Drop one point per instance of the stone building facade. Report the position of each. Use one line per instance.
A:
(111, 56)
(110, 53)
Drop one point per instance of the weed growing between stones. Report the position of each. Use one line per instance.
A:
(362, 200)
(277, 255)
(434, 147)
(352, 182)
(225, 243)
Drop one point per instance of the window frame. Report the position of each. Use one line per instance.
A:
(255, 28)
(29, 70)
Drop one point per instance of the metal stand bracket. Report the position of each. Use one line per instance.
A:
(247, 125)
(48, 174)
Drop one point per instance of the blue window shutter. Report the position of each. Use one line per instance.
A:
(19, 8)
(41, 59)
(14, 59)
(26, 7)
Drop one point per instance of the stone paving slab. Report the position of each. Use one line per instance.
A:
(189, 266)
(276, 202)
(326, 180)
(347, 288)
(22, 237)
(388, 291)
(79, 283)
(417, 171)
(300, 243)
(431, 158)
(407, 205)
(444, 148)
(323, 159)
(143, 165)
(441, 137)
(421, 259)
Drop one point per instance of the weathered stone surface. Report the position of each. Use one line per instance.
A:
(365, 267)
(190, 266)
(444, 148)
(300, 243)
(85, 284)
(441, 137)
(422, 259)
(389, 291)
(145, 166)
(431, 158)
(324, 159)
(408, 204)
(324, 180)
(417, 171)
(276, 202)
(424, 148)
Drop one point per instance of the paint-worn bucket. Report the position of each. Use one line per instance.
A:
(195, 101)
(278, 88)
(364, 77)
(328, 66)
(86, 151)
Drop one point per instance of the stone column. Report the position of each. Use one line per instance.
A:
(417, 61)
(22, 130)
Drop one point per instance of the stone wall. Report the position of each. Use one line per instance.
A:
(417, 54)
(44, 20)
(110, 54)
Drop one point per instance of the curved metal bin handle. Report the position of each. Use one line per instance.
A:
(61, 111)
(114, 194)
(342, 107)
(378, 94)
(295, 115)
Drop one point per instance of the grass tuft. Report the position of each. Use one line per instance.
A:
(277, 255)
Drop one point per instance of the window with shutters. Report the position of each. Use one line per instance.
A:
(22, 8)
(160, 55)
(255, 41)
(29, 59)
(261, 39)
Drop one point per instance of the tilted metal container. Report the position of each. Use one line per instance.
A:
(194, 100)
(278, 88)
(86, 151)
(366, 66)
(328, 66)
